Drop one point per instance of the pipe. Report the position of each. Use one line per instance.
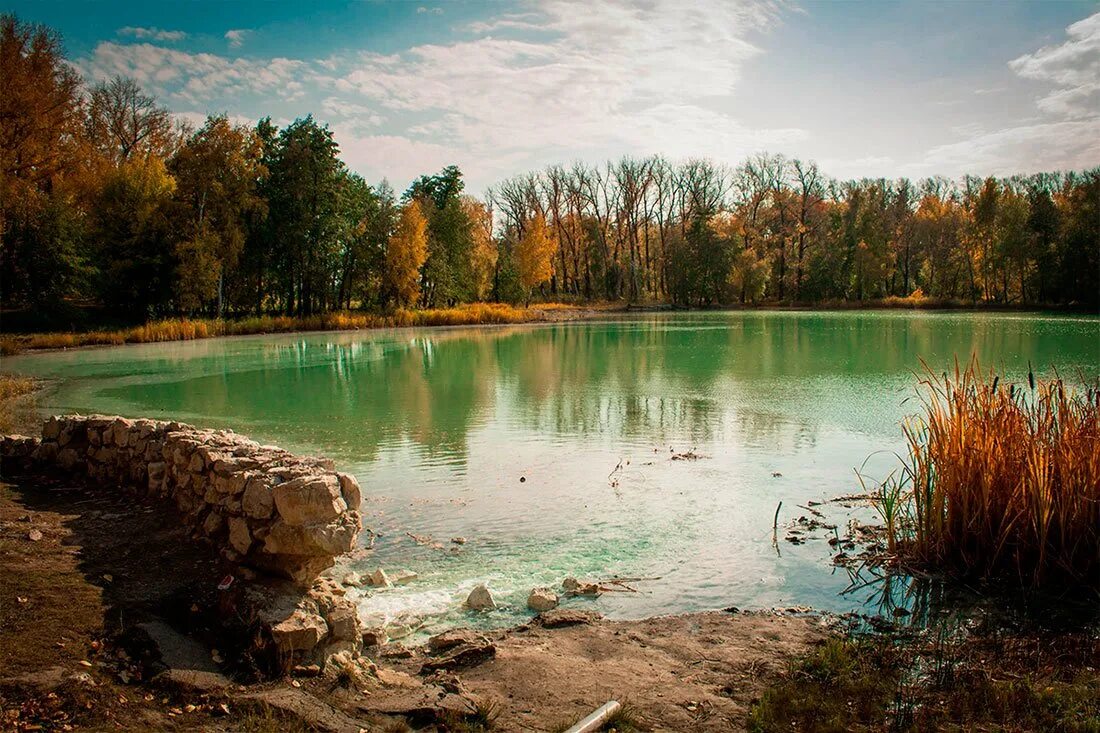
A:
(597, 718)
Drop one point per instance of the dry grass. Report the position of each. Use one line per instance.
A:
(1000, 480)
(187, 329)
(17, 402)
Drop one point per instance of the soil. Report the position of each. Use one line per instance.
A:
(101, 627)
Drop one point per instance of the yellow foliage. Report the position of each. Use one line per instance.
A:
(535, 252)
(406, 254)
(483, 253)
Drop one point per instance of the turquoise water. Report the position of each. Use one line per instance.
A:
(440, 425)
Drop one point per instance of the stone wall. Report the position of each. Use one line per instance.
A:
(261, 506)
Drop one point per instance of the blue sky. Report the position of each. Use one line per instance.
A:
(864, 88)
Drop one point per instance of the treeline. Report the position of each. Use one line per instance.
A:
(105, 199)
(779, 230)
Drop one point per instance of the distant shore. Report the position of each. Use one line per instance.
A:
(474, 314)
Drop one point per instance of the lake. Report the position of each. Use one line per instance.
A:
(559, 449)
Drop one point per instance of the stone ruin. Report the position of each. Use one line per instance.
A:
(280, 519)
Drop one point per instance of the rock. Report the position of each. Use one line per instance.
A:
(458, 540)
(300, 632)
(480, 599)
(212, 524)
(309, 499)
(239, 537)
(558, 617)
(397, 650)
(464, 655)
(349, 490)
(403, 576)
(454, 638)
(374, 637)
(343, 622)
(574, 587)
(352, 578)
(542, 599)
(257, 502)
(34, 535)
(379, 579)
(306, 670)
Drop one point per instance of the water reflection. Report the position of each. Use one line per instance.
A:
(439, 425)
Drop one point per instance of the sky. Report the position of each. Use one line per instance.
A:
(500, 88)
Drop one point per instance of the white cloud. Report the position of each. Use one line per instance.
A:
(196, 78)
(236, 37)
(630, 77)
(422, 10)
(152, 34)
(1073, 67)
(198, 119)
(1068, 145)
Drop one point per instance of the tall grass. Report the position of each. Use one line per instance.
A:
(187, 329)
(1000, 479)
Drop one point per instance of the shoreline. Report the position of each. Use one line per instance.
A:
(15, 344)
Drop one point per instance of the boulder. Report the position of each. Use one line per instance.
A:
(309, 499)
(574, 587)
(453, 638)
(380, 579)
(401, 577)
(300, 632)
(480, 599)
(559, 617)
(258, 502)
(349, 490)
(542, 599)
(240, 539)
(343, 622)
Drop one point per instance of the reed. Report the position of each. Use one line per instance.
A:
(188, 329)
(999, 479)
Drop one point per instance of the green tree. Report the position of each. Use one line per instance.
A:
(216, 172)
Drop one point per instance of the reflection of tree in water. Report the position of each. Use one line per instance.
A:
(349, 398)
(682, 377)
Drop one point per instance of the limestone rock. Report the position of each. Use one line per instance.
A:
(301, 632)
(480, 599)
(239, 537)
(380, 579)
(343, 622)
(349, 490)
(574, 587)
(542, 599)
(401, 577)
(309, 499)
(559, 617)
(258, 502)
(453, 638)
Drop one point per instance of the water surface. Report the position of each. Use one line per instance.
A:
(550, 448)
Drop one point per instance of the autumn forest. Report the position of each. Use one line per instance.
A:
(107, 199)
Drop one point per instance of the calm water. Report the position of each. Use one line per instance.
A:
(440, 426)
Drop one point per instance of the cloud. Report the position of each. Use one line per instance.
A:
(1068, 145)
(197, 119)
(1073, 67)
(610, 75)
(236, 37)
(196, 78)
(422, 10)
(153, 34)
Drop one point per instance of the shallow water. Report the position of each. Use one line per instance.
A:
(511, 437)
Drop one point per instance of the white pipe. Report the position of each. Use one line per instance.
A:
(593, 722)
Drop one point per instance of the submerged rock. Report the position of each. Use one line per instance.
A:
(574, 587)
(401, 577)
(480, 599)
(542, 599)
